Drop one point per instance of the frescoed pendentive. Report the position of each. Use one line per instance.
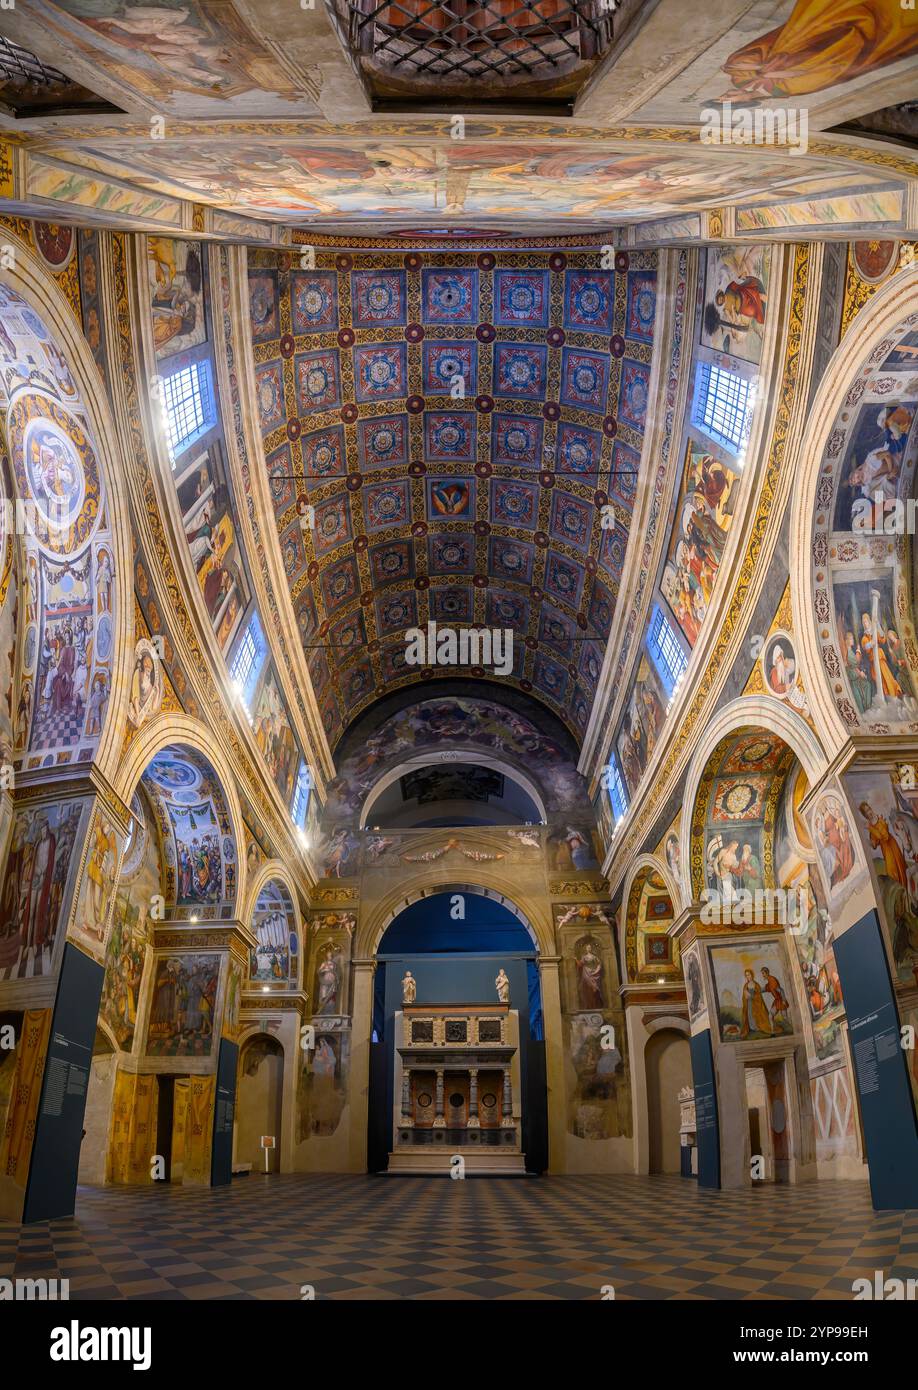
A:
(176, 283)
(275, 959)
(131, 928)
(199, 851)
(704, 511)
(68, 583)
(736, 300)
(642, 722)
(211, 531)
(886, 817)
(863, 583)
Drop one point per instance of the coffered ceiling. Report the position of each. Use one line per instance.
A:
(475, 509)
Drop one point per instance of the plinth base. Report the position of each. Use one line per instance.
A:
(428, 1161)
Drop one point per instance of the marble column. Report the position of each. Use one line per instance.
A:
(407, 1118)
(439, 1120)
(473, 1099)
(507, 1108)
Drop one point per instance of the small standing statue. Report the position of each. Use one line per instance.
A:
(409, 988)
(328, 978)
(503, 986)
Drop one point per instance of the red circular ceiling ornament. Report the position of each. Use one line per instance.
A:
(874, 259)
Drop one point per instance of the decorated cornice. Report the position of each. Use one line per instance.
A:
(788, 418)
(644, 591)
(235, 369)
(28, 277)
(56, 139)
(135, 426)
(816, 459)
(659, 475)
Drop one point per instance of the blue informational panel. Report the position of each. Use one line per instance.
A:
(707, 1126)
(221, 1159)
(880, 1066)
(52, 1184)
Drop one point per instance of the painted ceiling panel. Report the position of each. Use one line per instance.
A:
(454, 420)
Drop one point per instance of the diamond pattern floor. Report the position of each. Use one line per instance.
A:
(486, 1238)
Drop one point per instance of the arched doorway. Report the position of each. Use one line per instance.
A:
(668, 1066)
(457, 1051)
(259, 1104)
(766, 1004)
(169, 1012)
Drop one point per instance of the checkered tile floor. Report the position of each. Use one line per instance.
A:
(431, 1238)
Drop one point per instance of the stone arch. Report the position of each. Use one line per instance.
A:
(666, 1051)
(182, 732)
(842, 431)
(456, 725)
(374, 920)
(72, 391)
(756, 715)
(481, 759)
(641, 874)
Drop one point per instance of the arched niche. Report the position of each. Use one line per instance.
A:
(191, 790)
(747, 751)
(745, 790)
(848, 561)
(650, 905)
(73, 551)
(372, 927)
(259, 1102)
(275, 962)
